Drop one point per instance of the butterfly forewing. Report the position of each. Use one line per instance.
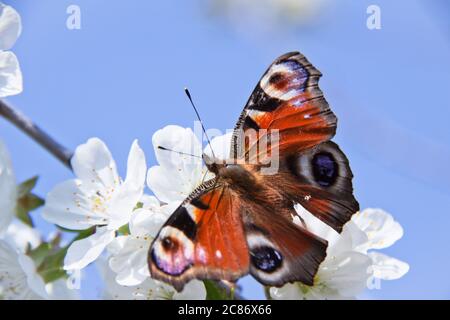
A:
(287, 99)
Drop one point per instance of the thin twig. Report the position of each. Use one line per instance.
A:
(37, 134)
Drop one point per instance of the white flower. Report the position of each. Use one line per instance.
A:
(349, 267)
(58, 290)
(21, 236)
(177, 175)
(129, 252)
(382, 231)
(344, 272)
(130, 278)
(97, 198)
(18, 277)
(8, 190)
(10, 74)
(148, 289)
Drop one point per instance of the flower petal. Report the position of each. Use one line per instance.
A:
(21, 235)
(347, 273)
(381, 229)
(148, 221)
(178, 139)
(147, 290)
(93, 164)
(149, 202)
(387, 268)
(18, 277)
(8, 194)
(34, 280)
(129, 260)
(221, 145)
(177, 175)
(10, 26)
(66, 205)
(130, 192)
(194, 290)
(11, 82)
(58, 290)
(84, 251)
(290, 291)
(136, 167)
(299, 291)
(315, 225)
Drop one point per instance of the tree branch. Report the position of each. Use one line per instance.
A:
(25, 124)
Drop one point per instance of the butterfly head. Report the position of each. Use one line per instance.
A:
(214, 165)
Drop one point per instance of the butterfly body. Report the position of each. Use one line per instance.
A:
(241, 221)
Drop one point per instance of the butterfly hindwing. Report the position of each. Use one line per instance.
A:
(281, 251)
(320, 179)
(204, 239)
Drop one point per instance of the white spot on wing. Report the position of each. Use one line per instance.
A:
(201, 253)
(190, 209)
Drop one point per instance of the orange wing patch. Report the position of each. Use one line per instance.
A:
(204, 239)
(299, 128)
(221, 244)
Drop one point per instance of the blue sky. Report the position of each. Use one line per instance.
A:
(122, 76)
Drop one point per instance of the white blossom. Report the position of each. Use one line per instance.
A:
(96, 198)
(382, 232)
(59, 290)
(19, 279)
(344, 272)
(22, 236)
(348, 266)
(179, 172)
(18, 276)
(177, 175)
(8, 190)
(10, 74)
(147, 290)
(129, 252)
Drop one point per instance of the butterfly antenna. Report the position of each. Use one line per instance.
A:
(179, 152)
(186, 90)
